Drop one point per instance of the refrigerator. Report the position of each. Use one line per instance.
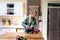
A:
(53, 27)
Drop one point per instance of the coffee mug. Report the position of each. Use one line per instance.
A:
(36, 31)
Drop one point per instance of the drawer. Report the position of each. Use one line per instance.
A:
(9, 30)
(12, 30)
(0, 29)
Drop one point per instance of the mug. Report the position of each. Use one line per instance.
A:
(36, 31)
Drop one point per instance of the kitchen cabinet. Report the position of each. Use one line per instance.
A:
(12, 28)
(11, 8)
(3, 8)
(7, 29)
(18, 9)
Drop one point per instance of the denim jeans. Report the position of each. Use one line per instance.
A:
(29, 30)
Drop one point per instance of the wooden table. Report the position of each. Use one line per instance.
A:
(12, 36)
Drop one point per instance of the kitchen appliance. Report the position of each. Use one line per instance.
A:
(53, 27)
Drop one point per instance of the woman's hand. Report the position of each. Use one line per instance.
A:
(26, 26)
(31, 27)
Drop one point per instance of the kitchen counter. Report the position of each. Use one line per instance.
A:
(12, 36)
(12, 26)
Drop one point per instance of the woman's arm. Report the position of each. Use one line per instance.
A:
(24, 23)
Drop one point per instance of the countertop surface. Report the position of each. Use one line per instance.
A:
(12, 26)
(13, 35)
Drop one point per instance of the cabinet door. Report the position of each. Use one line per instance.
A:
(9, 30)
(3, 8)
(1, 32)
(5, 30)
(12, 30)
(18, 9)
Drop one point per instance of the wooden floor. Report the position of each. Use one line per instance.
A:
(12, 36)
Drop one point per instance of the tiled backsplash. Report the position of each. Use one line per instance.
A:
(6, 21)
(11, 21)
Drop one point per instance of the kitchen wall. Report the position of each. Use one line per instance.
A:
(44, 18)
(14, 20)
(36, 3)
(32, 2)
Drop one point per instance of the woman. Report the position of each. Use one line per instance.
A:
(30, 22)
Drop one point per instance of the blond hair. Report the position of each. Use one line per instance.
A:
(30, 16)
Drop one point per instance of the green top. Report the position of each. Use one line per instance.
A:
(26, 22)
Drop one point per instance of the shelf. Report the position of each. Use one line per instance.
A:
(10, 8)
(6, 16)
(12, 26)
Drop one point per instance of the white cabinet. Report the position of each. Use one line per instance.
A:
(1, 32)
(18, 9)
(3, 8)
(9, 30)
(11, 8)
